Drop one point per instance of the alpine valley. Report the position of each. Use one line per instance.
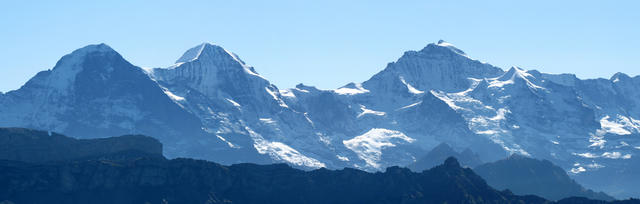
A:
(211, 105)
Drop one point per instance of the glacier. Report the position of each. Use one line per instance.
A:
(212, 105)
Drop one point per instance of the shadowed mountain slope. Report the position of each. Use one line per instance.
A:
(525, 176)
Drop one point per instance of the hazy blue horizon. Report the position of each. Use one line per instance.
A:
(326, 44)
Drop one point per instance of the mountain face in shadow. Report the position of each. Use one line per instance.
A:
(440, 153)
(19, 144)
(212, 105)
(157, 180)
(128, 169)
(195, 181)
(525, 176)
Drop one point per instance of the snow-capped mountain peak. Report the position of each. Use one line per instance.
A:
(98, 59)
(620, 77)
(351, 89)
(212, 71)
(211, 105)
(77, 57)
(101, 47)
(211, 56)
(516, 75)
(514, 72)
(205, 50)
(445, 44)
(438, 66)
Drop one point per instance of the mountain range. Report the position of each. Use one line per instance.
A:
(212, 105)
(132, 169)
(527, 176)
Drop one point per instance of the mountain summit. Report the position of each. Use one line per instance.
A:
(212, 105)
(99, 58)
(207, 52)
(441, 153)
(438, 66)
(527, 176)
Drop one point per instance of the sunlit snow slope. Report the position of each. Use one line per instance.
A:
(212, 105)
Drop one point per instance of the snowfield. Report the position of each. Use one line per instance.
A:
(212, 105)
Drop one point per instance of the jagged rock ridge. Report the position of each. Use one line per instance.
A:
(212, 105)
(527, 176)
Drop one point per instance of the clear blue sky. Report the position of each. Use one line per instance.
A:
(325, 43)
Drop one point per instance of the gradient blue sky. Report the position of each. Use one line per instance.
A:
(325, 43)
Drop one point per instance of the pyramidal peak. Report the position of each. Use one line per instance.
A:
(207, 51)
(96, 48)
(92, 48)
(211, 55)
(64, 72)
(514, 75)
(79, 54)
(194, 53)
(514, 72)
(619, 76)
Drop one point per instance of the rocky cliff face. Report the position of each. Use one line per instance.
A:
(212, 105)
(93, 93)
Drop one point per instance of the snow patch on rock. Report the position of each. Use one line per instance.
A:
(366, 111)
(617, 126)
(410, 88)
(351, 89)
(282, 152)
